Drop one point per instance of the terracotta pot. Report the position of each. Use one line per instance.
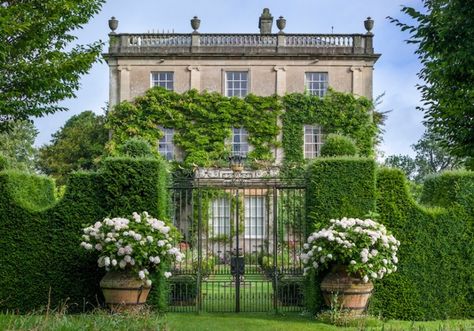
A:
(347, 292)
(123, 291)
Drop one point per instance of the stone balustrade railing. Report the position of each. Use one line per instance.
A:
(232, 43)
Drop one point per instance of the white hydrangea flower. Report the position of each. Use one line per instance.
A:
(167, 274)
(148, 282)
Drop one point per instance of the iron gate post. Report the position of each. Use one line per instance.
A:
(237, 244)
(199, 271)
(275, 249)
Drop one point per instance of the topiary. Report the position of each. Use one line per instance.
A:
(136, 147)
(338, 145)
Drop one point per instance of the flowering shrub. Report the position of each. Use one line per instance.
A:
(138, 245)
(363, 246)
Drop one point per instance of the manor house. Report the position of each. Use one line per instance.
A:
(263, 63)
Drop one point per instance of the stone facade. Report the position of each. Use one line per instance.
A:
(275, 63)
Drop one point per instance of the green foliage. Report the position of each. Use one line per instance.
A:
(404, 163)
(443, 34)
(136, 147)
(449, 189)
(76, 146)
(202, 123)
(40, 238)
(435, 278)
(337, 145)
(340, 113)
(17, 146)
(431, 157)
(39, 244)
(135, 185)
(3, 163)
(29, 191)
(339, 187)
(336, 187)
(38, 66)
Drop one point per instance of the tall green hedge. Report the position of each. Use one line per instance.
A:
(136, 184)
(435, 279)
(339, 187)
(39, 237)
(336, 187)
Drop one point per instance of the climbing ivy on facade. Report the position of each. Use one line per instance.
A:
(203, 123)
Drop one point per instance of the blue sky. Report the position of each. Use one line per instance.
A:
(395, 72)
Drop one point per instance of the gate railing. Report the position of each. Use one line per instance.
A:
(241, 241)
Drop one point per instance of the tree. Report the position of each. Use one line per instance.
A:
(38, 67)
(75, 146)
(403, 162)
(445, 39)
(431, 157)
(16, 146)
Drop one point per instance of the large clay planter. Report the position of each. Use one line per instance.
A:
(347, 292)
(123, 291)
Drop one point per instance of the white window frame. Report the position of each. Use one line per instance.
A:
(162, 78)
(237, 89)
(166, 145)
(313, 140)
(316, 82)
(243, 143)
(255, 216)
(219, 217)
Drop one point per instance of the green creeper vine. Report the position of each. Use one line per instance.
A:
(337, 112)
(203, 122)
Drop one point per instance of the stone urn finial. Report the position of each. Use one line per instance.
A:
(265, 22)
(113, 24)
(195, 24)
(281, 24)
(369, 25)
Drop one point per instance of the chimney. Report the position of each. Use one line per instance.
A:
(265, 22)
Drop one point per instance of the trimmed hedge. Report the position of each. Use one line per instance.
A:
(137, 184)
(338, 145)
(39, 238)
(339, 187)
(336, 187)
(435, 279)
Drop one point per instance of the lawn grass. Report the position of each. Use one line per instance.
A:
(102, 321)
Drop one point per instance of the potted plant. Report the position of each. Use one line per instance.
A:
(357, 252)
(129, 249)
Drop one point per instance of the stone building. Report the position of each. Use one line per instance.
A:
(263, 63)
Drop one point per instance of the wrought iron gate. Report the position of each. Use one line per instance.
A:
(241, 240)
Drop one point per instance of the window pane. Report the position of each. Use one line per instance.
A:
(254, 217)
(236, 83)
(165, 145)
(240, 145)
(313, 140)
(163, 79)
(317, 83)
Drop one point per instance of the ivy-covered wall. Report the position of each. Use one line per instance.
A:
(340, 113)
(40, 237)
(203, 122)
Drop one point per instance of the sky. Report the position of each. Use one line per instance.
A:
(395, 73)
